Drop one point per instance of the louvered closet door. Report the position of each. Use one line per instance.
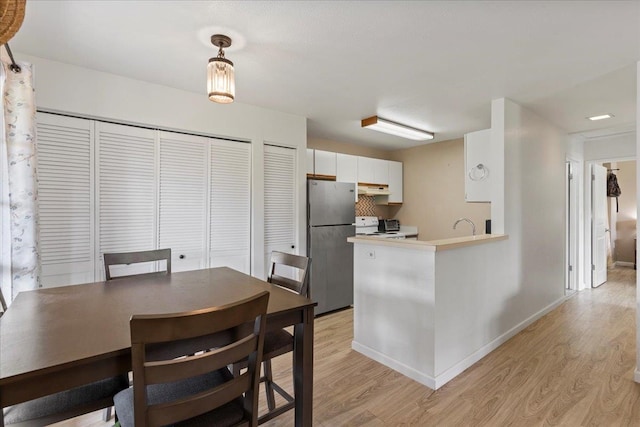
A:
(65, 199)
(183, 199)
(279, 201)
(230, 205)
(126, 193)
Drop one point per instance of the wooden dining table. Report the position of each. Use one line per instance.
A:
(54, 339)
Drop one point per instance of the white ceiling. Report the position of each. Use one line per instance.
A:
(432, 65)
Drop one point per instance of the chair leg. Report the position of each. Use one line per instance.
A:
(268, 385)
(106, 414)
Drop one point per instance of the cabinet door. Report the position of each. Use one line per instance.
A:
(279, 201)
(183, 199)
(126, 193)
(395, 182)
(366, 170)
(65, 199)
(381, 171)
(347, 169)
(230, 205)
(477, 152)
(310, 161)
(325, 163)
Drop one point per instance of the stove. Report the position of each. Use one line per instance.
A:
(368, 226)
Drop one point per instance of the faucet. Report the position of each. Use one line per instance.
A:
(473, 226)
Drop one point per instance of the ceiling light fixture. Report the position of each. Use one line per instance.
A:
(600, 117)
(393, 128)
(221, 82)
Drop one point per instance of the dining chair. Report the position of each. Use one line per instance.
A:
(3, 304)
(277, 343)
(66, 404)
(190, 388)
(126, 258)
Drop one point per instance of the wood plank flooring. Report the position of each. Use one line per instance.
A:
(573, 367)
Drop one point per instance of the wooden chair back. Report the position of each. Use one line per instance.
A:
(126, 258)
(296, 261)
(3, 304)
(242, 326)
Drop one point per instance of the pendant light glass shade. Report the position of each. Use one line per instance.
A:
(221, 83)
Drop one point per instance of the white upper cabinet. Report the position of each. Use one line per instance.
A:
(325, 163)
(395, 182)
(347, 169)
(310, 161)
(477, 156)
(373, 171)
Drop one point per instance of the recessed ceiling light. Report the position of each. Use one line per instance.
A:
(393, 128)
(600, 117)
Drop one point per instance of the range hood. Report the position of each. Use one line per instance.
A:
(373, 190)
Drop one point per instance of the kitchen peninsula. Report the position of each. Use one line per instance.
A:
(428, 309)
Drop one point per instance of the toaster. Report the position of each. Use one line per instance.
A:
(387, 225)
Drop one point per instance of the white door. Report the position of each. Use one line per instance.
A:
(65, 199)
(126, 194)
(279, 201)
(183, 199)
(599, 225)
(230, 205)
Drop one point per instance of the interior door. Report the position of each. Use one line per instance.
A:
(279, 203)
(598, 225)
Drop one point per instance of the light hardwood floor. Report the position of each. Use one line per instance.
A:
(573, 367)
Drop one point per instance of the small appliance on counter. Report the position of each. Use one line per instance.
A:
(388, 225)
(371, 226)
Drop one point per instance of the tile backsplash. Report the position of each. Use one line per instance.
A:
(366, 206)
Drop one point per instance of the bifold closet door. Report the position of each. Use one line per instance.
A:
(230, 205)
(126, 191)
(279, 202)
(65, 199)
(183, 199)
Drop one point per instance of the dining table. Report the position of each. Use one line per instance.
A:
(54, 339)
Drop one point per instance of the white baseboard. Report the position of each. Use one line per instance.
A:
(468, 361)
(623, 264)
(405, 370)
(636, 376)
(458, 367)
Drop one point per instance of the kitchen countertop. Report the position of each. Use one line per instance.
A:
(431, 245)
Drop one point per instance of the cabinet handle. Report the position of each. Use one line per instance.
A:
(293, 247)
(483, 170)
(182, 257)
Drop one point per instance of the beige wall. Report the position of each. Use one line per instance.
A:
(434, 191)
(433, 176)
(626, 222)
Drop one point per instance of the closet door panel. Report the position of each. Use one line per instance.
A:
(65, 199)
(279, 201)
(230, 205)
(126, 193)
(183, 199)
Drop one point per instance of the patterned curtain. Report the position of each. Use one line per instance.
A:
(19, 161)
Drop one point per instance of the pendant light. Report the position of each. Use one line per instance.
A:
(221, 83)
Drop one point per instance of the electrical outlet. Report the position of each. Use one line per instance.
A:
(371, 254)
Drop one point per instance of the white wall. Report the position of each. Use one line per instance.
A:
(88, 93)
(610, 147)
(534, 209)
(637, 372)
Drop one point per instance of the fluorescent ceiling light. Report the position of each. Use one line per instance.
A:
(386, 126)
(601, 117)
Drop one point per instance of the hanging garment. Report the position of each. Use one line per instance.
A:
(613, 189)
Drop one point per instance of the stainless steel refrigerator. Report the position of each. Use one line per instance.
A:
(331, 215)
